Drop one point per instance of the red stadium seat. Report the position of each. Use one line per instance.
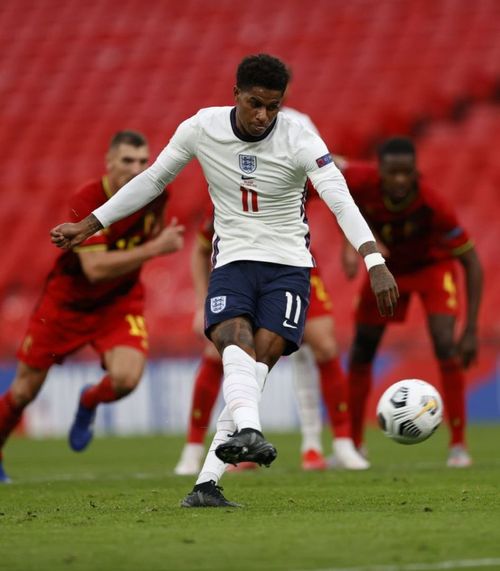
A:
(68, 83)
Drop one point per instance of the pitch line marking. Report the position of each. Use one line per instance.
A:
(88, 477)
(437, 566)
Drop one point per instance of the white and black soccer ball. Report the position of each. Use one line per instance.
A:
(409, 411)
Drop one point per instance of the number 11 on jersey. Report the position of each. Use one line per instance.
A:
(249, 200)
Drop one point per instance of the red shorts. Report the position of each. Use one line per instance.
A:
(320, 303)
(435, 286)
(55, 332)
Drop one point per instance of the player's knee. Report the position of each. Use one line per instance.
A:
(26, 385)
(362, 353)
(23, 394)
(324, 350)
(236, 331)
(365, 345)
(444, 349)
(442, 334)
(124, 382)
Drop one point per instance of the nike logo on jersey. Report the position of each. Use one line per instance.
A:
(248, 181)
(286, 324)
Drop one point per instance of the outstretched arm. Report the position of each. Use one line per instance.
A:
(138, 192)
(141, 190)
(332, 188)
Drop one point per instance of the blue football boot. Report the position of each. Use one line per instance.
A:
(4, 479)
(81, 432)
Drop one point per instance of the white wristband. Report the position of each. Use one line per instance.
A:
(375, 259)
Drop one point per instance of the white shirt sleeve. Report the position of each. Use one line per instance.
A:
(301, 118)
(332, 188)
(146, 186)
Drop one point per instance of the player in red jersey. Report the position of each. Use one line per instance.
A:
(319, 334)
(422, 237)
(93, 295)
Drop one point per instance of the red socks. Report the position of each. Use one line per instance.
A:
(453, 384)
(335, 392)
(10, 415)
(102, 392)
(360, 380)
(206, 388)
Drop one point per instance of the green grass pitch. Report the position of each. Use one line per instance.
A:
(116, 507)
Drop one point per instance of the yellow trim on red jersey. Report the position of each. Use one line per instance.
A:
(203, 241)
(91, 248)
(463, 248)
(106, 187)
(409, 198)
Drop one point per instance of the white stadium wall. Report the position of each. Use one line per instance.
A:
(159, 405)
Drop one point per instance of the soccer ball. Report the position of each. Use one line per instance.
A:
(409, 411)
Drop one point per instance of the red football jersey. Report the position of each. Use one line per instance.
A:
(420, 231)
(68, 284)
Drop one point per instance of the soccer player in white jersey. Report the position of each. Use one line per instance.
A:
(315, 364)
(256, 163)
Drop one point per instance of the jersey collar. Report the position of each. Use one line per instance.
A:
(106, 187)
(244, 136)
(401, 205)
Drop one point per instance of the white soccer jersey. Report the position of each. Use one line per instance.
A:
(257, 186)
(300, 117)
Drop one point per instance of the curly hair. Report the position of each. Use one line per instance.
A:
(262, 70)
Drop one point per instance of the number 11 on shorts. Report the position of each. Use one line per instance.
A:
(289, 310)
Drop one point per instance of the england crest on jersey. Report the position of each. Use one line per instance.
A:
(217, 304)
(248, 163)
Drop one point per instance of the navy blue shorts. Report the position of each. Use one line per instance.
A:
(272, 296)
